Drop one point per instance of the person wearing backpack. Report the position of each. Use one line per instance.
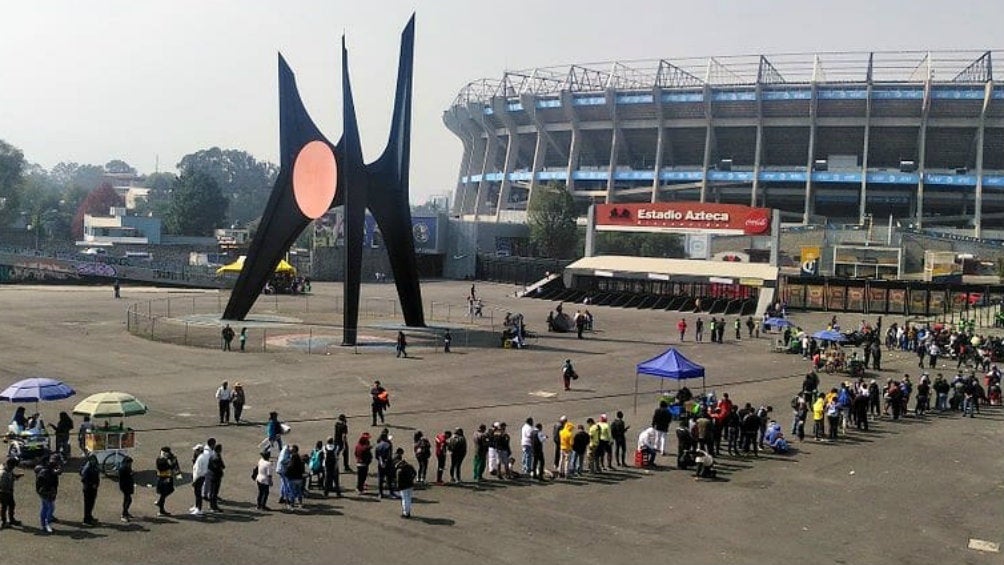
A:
(384, 455)
(423, 452)
(90, 479)
(458, 450)
(404, 477)
(316, 466)
(329, 459)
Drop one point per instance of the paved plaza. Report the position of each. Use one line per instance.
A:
(912, 491)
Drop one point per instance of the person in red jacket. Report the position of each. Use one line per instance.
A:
(721, 412)
(681, 327)
(441, 439)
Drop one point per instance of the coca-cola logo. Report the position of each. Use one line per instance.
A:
(757, 222)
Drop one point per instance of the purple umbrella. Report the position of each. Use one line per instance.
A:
(36, 389)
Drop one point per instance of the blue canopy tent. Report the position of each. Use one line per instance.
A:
(671, 364)
(777, 323)
(830, 335)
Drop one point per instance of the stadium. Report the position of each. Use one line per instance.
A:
(822, 137)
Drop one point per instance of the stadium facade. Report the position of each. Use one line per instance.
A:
(841, 136)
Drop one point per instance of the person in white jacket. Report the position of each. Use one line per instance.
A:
(200, 468)
(646, 444)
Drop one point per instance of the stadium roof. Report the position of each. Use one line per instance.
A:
(964, 66)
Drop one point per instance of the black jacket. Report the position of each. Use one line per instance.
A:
(661, 419)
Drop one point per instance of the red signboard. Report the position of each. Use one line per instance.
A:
(683, 216)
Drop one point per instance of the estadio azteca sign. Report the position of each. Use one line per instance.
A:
(726, 219)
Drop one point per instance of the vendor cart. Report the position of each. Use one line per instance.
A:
(110, 444)
(31, 444)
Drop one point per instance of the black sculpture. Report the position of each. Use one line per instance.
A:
(315, 175)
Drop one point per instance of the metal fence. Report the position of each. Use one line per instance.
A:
(306, 323)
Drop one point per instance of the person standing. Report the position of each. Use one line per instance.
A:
(566, 442)
(364, 456)
(661, 419)
(384, 455)
(200, 468)
(681, 327)
(568, 374)
(62, 431)
(227, 333)
(404, 477)
(243, 338)
(876, 356)
(699, 330)
(606, 442)
(422, 450)
(167, 467)
(263, 480)
(503, 446)
(537, 462)
(329, 459)
(47, 487)
(7, 505)
(90, 479)
(556, 438)
(237, 398)
(223, 397)
(458, 450)
(127, 486)
(85, 428)
(379, 401)
(480, 454)
(342, 441)
(738, 325)
(442, 439)
(117, 288)
(447, 340)
(402, 344)
(273, 431)
(526, 444)
(295, 474)
(618, 431)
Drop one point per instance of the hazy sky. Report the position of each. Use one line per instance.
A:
(137, 79)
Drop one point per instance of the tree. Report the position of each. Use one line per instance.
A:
(197, 206)
(72, 175)
(551, 215)
(158, 201)
(118, 166)
(97, 203)
(11, 174)
(243, 180)
(160, 181)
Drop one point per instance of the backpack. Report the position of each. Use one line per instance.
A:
(316, 465)
(254, 473)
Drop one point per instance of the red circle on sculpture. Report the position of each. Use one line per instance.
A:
(757, 222)
(315, 179)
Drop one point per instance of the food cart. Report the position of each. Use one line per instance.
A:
(110, 443)
(32, 444)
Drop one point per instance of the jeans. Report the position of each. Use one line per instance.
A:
(620, 451)
(941, 403)
(90, 497)
(578, 460)
(48, 511)
(440, 466)
(7, 507)
(126, 504)
(423, 468)
(361, 472)
(564, 463)
(262, 500)
(479, 467)
(527, 458)
(296, 490)
(224, 411)
(456, 461)
(197, 486)
(331, 481)
(834, 423)
(968, 406)
(406, 497)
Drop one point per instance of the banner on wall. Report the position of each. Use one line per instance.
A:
(835, 297)
(724, 219)
(876, 300)
(810, 261)
(814, 296)
(897, 300)
(856, 299)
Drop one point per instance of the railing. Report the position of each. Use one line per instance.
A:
(306, 323)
